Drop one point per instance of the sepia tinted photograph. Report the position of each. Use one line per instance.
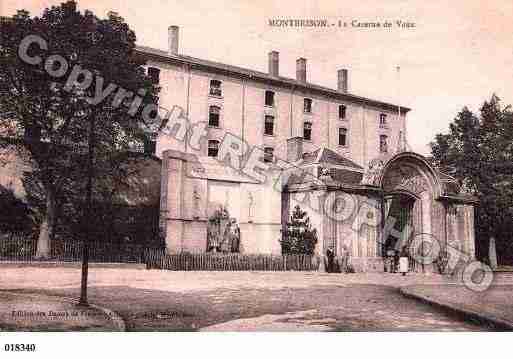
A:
(237, 166)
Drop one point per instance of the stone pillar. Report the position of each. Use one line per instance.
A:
(172, 216)
(426, 212)
(470, 244)
(426, 224)
(417, 228)
(492, 253)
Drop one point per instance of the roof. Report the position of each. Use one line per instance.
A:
(345, 170)
(347, 176)
(449, 184)
(236, 71)
(325, 155)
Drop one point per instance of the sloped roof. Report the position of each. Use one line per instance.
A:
(325, 155)
(231, 70)
(449, 184)
(347, 176)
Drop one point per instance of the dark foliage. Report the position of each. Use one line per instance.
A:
(299, 237)
(15, 215)
(55, 122)
(478, 151)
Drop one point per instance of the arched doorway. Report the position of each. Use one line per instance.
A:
(410, 189)
(398, 206)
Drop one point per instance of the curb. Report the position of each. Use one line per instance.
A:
(118, 321)
(497, 323)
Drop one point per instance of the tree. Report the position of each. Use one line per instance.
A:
(478, 152)
(298, 237)
(15, 216)
(87, 85)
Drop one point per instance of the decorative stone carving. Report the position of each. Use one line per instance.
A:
(405, 178)
(223, 233)
(196, 198)
(373, 171)
(324, 173)
(415, 184)
(251, 202)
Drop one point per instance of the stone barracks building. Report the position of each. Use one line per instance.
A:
(346, 164)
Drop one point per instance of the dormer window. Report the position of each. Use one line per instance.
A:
(382, 120)
(213, 116)
(215, 88)
(307, 105)
(269, 98)
(341, 112)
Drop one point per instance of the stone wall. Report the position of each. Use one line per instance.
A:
(190, 197)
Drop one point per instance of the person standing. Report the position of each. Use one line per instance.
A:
(235, 236)
(344, 258)
(389, 261)
(331, 256)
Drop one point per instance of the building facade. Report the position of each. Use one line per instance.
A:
(339, 156)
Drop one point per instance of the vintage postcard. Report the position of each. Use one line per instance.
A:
(273, 166)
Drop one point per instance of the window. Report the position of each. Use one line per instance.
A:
(154, 74)
(269, 125)
(383, 146)
(307, 131)
(269, 98)
(215, 88)
(382, 120)
(307, 105)
(341, 112)
(342, 136)
(213, 148)
(268, 154)
(213, 116)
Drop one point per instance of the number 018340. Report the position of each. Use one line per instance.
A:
(20, 347)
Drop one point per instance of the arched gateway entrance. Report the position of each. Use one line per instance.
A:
(411, 189)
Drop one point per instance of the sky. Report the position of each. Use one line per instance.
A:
(458, 53)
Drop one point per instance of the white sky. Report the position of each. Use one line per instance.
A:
(459, 53)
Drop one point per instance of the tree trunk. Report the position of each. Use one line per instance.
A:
(47, 226)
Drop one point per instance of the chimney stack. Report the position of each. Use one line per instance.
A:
(342, 84)
(274, 63)
(294, 149)
(301, 69)
(173, 35)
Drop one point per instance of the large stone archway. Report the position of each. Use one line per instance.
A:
(411, 207)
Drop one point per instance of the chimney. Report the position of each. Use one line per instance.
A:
(173, 35)
(294, 149)
(301, 69)
(342, 84)
(274, 63)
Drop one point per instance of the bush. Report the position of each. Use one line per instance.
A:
(299, 237)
